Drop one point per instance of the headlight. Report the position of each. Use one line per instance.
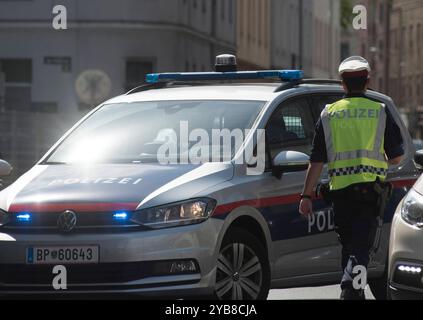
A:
(181, 213)
(4, 218)
(412, 208)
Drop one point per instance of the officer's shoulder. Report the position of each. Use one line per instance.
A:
(325, 110)
(377, 103)
(328, 106)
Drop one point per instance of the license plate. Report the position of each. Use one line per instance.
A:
(59, 255)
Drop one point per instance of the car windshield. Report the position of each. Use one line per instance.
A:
(136, 132)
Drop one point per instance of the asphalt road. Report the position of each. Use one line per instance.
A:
(306, 293)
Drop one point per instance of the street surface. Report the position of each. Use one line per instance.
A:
(326, 292)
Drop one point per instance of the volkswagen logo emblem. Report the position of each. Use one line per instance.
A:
(67, 221)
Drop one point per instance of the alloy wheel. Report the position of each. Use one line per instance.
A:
(239, 273)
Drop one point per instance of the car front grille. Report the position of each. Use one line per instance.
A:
(86, 221)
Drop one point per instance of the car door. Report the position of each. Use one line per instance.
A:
(302, 246)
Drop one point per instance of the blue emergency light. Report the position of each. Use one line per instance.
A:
(283, 75)
(120, 216)
(23, 217)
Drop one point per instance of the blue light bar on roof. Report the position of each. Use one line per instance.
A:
(284, 75)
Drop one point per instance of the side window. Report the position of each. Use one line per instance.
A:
(320, 102)
(291, 127)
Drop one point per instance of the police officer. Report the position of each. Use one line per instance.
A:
(358, 139)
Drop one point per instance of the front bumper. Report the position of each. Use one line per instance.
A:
(405, 260)
(396, 292)
(120, 256)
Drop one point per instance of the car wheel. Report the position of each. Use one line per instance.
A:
(243, 271)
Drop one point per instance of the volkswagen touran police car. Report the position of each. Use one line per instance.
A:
(116, 202)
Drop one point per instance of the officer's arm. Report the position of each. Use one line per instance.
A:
(394, 148)
(313, 175)
(317, 159)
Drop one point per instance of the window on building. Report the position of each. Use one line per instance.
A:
(411, 39)
(17, 83)
(381, 12)
(381, 49)
(421, 90)
(259, 24)
(345, 50)
(242, 7)
(293, 61)
(231, 11)
(136, 70)
(402, 41)
(395, 37)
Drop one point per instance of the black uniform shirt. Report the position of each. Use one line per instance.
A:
(393, 142)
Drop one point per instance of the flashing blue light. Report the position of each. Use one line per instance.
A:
(23, 217)
(284, 75)
(120, 216)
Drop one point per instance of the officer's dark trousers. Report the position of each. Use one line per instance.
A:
(356, 211)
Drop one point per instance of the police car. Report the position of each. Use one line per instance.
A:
(116, 202)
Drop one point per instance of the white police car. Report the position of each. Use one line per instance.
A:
(405, 254)
(128, 202)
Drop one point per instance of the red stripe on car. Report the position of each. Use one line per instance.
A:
(288, 199)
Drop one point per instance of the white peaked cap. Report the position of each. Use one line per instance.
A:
(354, 64)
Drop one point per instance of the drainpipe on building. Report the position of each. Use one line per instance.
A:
(388, 47)
(2, 91)
(331, 48)
(213, 31)
(300, 32)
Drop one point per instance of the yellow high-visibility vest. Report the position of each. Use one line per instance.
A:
(354, 131)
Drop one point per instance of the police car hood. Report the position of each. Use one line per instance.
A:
(55, 188)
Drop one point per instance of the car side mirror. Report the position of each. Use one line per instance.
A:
(289, 161)
(418, 157)
(5, 168)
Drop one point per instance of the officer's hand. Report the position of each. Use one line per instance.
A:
(306, 207)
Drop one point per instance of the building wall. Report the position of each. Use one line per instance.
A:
(107, 35)
(253, 34)
(269, 35)
(374, 42)
(285, 26)
(174, 35)
(406, 59)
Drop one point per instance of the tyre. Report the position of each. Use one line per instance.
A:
(243, 271)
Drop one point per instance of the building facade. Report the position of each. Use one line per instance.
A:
(290, 34)
(253, 34)
(55, 76)
(406, 59)
(374, 42)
